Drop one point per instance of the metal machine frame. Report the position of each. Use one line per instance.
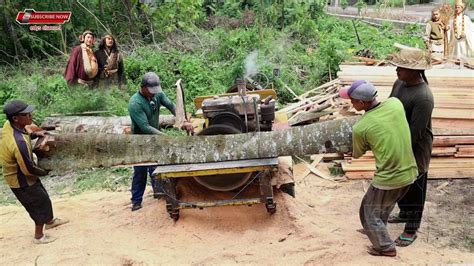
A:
(167, 175)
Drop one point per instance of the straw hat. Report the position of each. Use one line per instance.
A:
(410, 57)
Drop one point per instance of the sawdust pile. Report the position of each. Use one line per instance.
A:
(318, 227)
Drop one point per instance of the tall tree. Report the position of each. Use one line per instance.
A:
(20, 52)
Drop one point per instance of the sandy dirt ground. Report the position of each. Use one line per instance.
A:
(317, 227)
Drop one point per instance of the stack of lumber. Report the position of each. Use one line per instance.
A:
(453, 119)
(313, 104)
(446, 162)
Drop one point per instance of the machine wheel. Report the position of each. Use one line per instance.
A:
(227, 119)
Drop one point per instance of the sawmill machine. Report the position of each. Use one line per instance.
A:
(231, 113)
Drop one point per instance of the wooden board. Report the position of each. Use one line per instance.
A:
(438, 174)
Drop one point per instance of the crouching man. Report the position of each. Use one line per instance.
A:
(21, 172)
(384, 130)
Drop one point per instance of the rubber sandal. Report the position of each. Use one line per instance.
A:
(402, 241)
(56, 222)
(45, 239)
(388, 253)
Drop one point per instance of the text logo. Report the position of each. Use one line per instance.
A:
(30, 16)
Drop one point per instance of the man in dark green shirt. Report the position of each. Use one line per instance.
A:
(384, 130)
(144, 109)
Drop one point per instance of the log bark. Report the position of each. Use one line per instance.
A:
(77, 151)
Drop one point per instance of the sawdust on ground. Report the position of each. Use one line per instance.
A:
(318, 227)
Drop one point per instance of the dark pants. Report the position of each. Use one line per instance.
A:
(374, 211)
(36, 201)
(412, 204)
(140, 175)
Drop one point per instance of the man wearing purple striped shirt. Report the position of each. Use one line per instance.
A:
(21, 172)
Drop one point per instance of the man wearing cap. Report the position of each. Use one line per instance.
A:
(384, 130)
(144, 109)
(412, 89)
(20, 171)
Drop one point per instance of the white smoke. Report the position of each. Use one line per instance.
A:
(251, 66)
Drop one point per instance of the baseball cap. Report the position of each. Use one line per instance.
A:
(359, 90)
(152, 82)
(17, 107)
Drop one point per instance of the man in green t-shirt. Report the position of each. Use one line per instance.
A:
(144, 109)
(384, 130)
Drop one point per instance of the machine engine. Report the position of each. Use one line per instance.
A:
(244, 112)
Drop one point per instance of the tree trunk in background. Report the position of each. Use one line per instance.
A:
(97, 124)
(9, 27)
(134, 32)
(77, 151)
(282, 22)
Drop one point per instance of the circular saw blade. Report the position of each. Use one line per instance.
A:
(223, 182)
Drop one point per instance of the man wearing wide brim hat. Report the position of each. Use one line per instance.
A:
(461, 37)
(412, 89)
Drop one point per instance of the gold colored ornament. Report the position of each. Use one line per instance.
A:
(455, 24)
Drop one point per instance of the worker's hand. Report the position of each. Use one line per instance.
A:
(188, 126)
(40, 134)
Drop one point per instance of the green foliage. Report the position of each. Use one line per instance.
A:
(101, 179)
(178, 14)
(397, 3)
(308, 48)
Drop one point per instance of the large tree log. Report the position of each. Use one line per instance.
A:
(76, 151)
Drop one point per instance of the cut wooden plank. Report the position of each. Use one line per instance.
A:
(316, 159)
(464, 155)
(452, 140)
(443, 151)
(465, 148)
(367, 166)
(439, 174)
(306, 117)
(453, 113)
(316, 171)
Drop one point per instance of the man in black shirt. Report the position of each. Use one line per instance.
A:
(412, 89)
